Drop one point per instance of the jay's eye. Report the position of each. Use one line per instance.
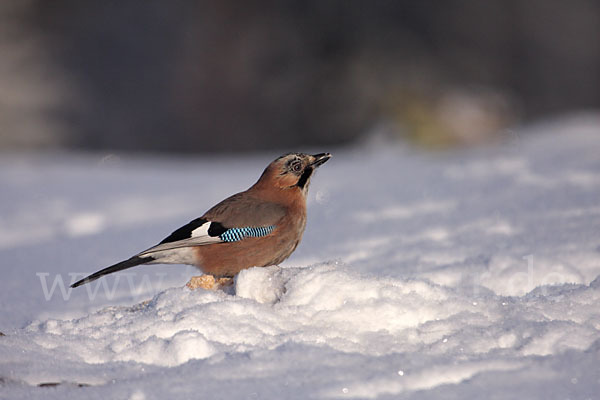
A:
(296, 166)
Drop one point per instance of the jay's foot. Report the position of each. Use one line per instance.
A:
(208, 282)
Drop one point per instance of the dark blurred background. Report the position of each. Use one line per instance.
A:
(200, 76)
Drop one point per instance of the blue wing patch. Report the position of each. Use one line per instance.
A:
(235, 234)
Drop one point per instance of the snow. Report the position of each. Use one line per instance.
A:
(466, 274)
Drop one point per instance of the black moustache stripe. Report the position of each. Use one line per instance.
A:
(304, 177)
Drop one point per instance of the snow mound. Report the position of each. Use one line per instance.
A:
(466, 274)
(325, 305)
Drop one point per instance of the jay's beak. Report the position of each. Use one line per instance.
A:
(320, 159)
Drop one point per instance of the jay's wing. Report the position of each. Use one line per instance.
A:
(235, 218)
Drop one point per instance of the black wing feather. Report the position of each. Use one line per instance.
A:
(185, 232)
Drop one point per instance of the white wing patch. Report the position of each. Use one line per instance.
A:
(202, 230)
(198, 236)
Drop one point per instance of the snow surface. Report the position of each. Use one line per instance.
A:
(466, 274)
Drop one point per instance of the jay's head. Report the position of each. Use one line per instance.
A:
(292, 170)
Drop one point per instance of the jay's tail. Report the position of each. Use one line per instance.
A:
(132, 262)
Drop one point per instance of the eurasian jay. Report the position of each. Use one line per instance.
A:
(259, 227)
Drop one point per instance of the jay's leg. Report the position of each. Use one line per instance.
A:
(208, 282)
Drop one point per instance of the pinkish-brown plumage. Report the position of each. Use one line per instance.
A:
(227, 259)
(259, 227)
